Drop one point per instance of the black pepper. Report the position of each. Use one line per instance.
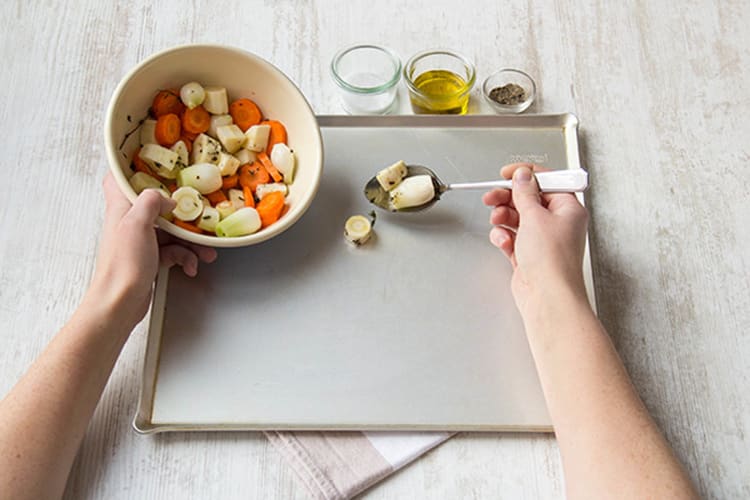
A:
(508, 94)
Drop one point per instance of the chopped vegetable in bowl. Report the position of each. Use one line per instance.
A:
(224, 165)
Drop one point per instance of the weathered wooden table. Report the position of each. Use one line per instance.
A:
(663, 94)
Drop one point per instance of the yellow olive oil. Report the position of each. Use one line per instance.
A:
(440, 91)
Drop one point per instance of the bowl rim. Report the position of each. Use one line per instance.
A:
(516, 108)
(212, 241)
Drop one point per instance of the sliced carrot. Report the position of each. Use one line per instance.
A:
(216, 197)
(270, 207)
(284, 210)
(248, 195)
(142, 166)
(196, 120)
(251, 175)
(230, 181)
(245, 113)
(138, 163)
(277, 135)
(272, 170)
(188, 141)
(168, 129)
(189, 136)
(187, 225)
(166, 102)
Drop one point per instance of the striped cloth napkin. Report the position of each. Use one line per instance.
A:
(339, 465)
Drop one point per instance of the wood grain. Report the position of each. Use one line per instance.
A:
(661, 90)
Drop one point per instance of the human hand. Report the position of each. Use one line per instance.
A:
(131, 249)
(543, 235)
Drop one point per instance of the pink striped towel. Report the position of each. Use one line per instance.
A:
(339, 465)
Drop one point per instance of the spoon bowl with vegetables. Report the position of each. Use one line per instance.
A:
(414, 188)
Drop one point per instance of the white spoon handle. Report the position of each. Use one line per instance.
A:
(556, 181)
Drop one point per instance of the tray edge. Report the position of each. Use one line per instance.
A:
(142, 421)
(563, 120)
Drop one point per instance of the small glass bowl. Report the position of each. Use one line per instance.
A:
(367, 76)
(447, 79)
(504, 77)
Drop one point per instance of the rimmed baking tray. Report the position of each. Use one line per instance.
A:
(417, 330)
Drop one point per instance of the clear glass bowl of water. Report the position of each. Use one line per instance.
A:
(367, 76)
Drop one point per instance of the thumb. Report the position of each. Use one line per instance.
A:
(148, 206)
(525, 190)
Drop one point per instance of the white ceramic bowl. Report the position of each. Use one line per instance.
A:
(244, 75)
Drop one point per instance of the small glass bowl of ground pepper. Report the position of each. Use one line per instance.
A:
(509, 91)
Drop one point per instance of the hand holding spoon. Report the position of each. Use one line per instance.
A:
(555, 181)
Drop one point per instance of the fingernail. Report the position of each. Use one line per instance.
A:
(522, 175)
(498, 238)
(167, 206)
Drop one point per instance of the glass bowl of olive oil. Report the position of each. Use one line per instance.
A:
(439, 82)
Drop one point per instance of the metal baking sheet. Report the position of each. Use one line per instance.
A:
(417, 330)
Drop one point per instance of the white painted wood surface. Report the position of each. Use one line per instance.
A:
(661, 89)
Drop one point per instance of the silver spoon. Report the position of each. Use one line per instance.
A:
(555, 181)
